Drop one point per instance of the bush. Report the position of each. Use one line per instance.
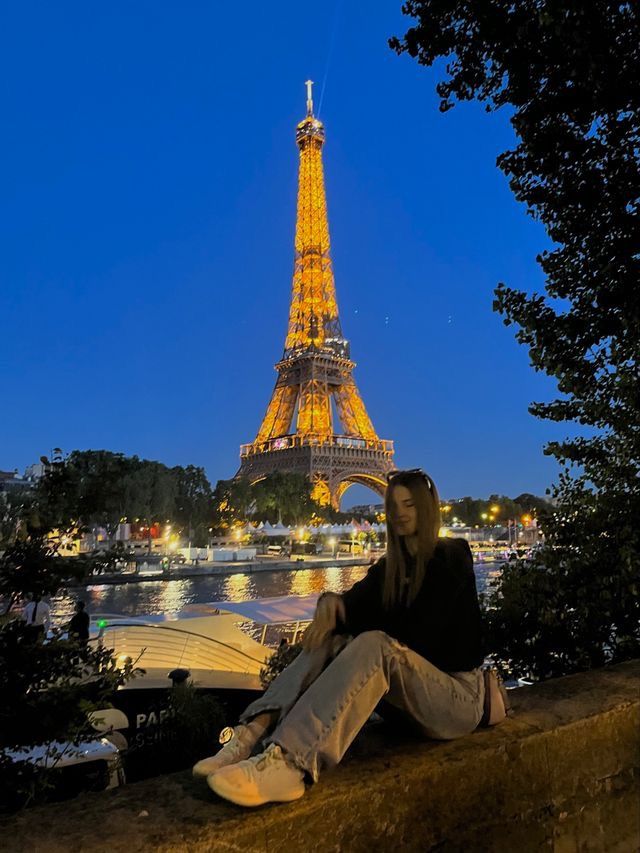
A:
(576, 604)
(278, 661)
(46, 692)
(191, 728)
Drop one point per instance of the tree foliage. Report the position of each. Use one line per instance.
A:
(17, 506)
(569, 74)
(279, 497)
(193, 503)
(32, 566)
(47, 691)
(91, 488)
(576, 605)
(284, 497)
(47, 688)
(498, 509)
(232, 502)
(278, 661)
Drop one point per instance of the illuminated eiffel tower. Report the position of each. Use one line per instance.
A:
(298, 431)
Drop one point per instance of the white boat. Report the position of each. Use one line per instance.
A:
(87, 765)
(203, 645)
(204, 639)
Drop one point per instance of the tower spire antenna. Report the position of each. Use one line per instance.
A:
(309, 85)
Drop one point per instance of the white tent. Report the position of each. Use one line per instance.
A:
(276, 530)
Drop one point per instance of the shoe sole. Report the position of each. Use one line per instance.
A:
(248, 800)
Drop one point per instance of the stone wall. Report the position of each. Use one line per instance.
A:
(563, 774)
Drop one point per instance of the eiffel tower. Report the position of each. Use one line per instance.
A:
(298, 430)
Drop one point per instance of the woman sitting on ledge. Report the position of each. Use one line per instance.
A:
(409, 632)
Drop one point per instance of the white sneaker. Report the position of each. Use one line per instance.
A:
(235, 750)
(265, 778)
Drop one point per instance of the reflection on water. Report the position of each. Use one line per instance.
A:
(237, 588)
(174, 596)
(166, 596)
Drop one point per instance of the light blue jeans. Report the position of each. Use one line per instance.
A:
(324, 697)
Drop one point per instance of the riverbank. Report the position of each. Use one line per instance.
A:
(218, 569)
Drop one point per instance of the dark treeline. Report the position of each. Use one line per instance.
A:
(496, 509)
(87, 489)
(91, 488)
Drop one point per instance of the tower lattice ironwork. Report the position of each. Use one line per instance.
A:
(315, 374)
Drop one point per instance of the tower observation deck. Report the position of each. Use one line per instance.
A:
(315, 375)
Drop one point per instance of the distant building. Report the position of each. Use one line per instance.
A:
(34, 472)
(12, 480)
(365, 509)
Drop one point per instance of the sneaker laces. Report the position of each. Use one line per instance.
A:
(272, 754)
(259, 763)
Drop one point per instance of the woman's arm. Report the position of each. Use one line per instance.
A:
(329, 612)
(350, 612)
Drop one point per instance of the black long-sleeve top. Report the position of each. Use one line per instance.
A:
(443, 623)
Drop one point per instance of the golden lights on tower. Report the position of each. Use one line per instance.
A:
(315, 374)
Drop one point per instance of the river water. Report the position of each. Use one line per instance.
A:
(170, 596)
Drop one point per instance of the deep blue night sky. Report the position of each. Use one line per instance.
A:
(147, 213)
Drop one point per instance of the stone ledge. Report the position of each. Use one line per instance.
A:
(563, 774)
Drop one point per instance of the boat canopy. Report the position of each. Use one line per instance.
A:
(264, 611)
(272, 611)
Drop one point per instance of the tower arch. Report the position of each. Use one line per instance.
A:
(376, 485)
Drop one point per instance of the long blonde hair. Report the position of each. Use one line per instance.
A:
(427, 503)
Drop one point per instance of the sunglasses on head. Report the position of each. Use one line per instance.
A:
(416, 472)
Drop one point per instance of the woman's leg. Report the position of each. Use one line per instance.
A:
(261, 716)
(320, 726)
(285, 690)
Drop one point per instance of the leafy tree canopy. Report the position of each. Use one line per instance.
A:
(31, 566)
(279, 497)
(101, 488)
(569, 74)
(284, 497)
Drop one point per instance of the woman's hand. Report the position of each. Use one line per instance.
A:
(329, 610)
